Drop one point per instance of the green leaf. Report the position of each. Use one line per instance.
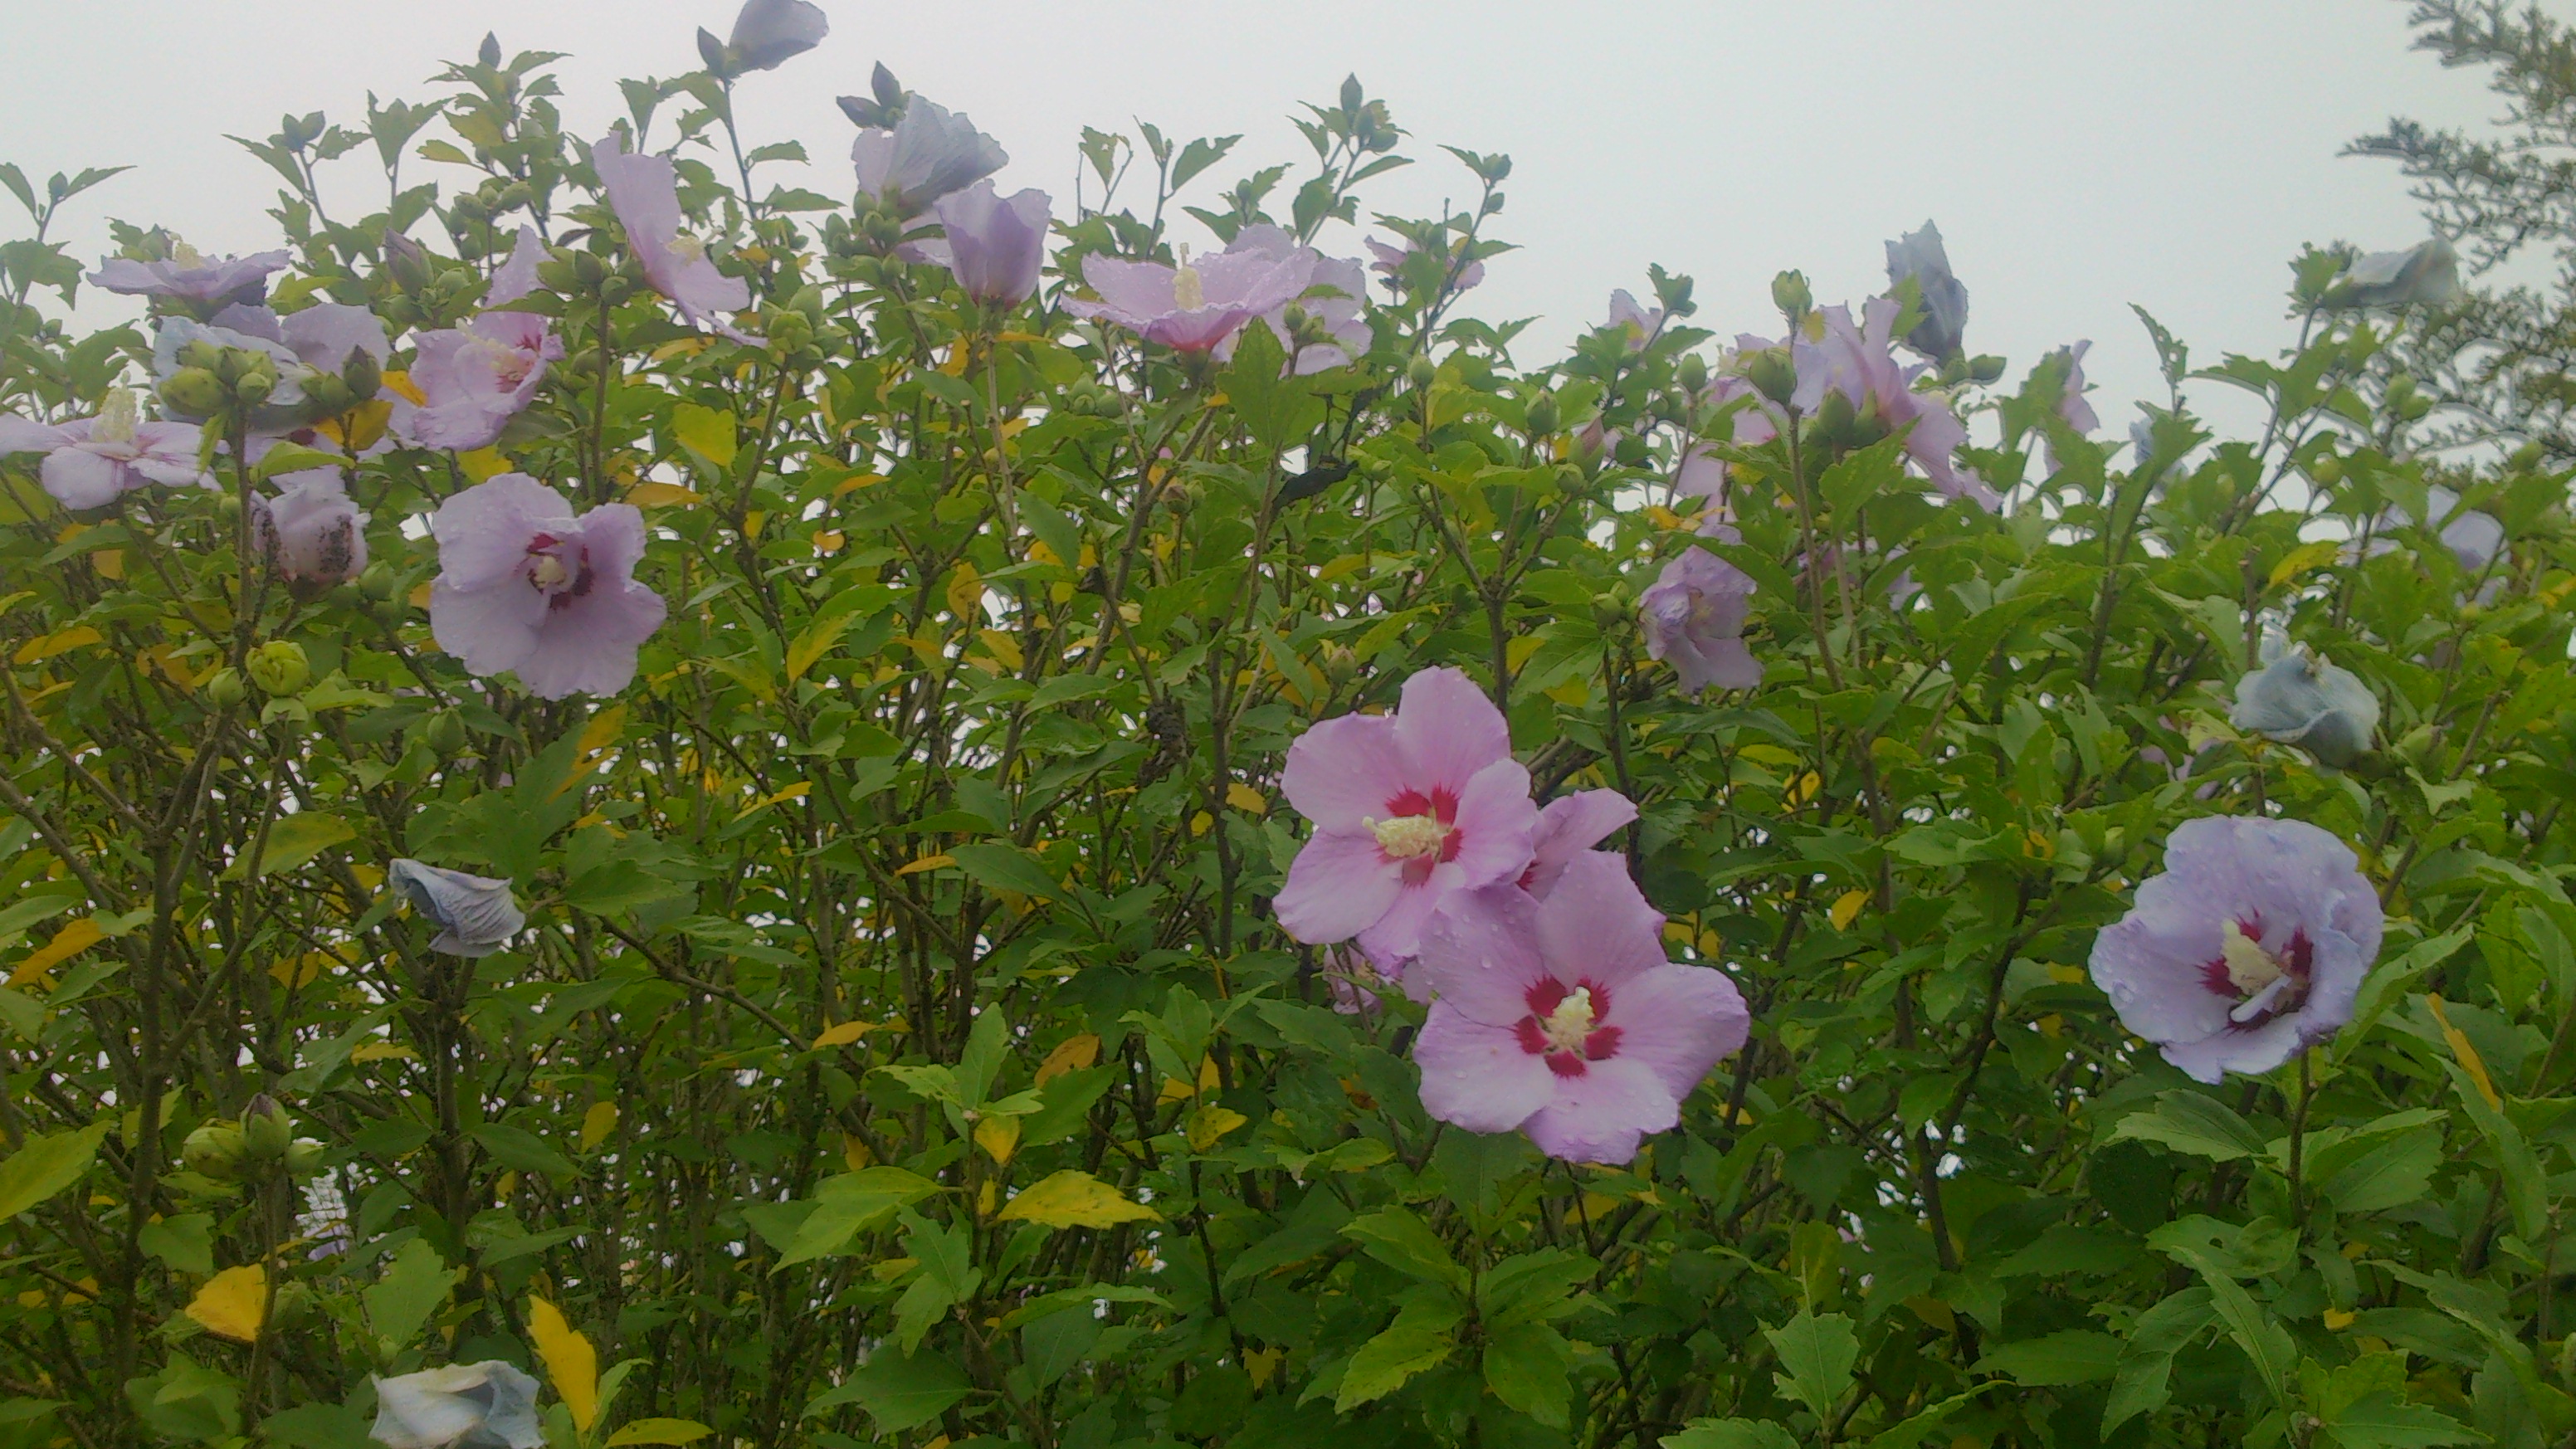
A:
(1006, 868)
(2192, 1122)
(2525, 1187)
(1730, 1434)
(659, 1431)
(317, 1426)
(410, 1290)
(520, 1149)
(850, 1204)
(2264, 1340)
(1526, 1366)
(899, 1392)
(2394, 1173)
(1417, 1340)
(1404, 1242)
(1818, 1352)
(1533, 1287)
(46, 1165)
(185, 1242)
(2380, 1421)
(295, 839)
(1278, 411)
(2075, 1356)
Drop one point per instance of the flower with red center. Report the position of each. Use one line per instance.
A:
(1562, 1018)
(526, 586)
(1407, 809)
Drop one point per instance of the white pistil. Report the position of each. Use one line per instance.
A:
(685, 248)
(1408, 837)
(548, 573)
(2250, 968)
(187, 258)
(118, 417)
(1189, 290)
(1570, 1024)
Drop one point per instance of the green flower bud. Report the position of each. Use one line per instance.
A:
(614, 290)
(324, 397)
(1692, 374)
(194, 391)
(1772, 374)
(1421, 371)
(362, 374)
(279, 667)
(1789, 293)
(202, 353)
(446, 732)
(266, 1130)
(226, 689)
(214, 1149)
(253, 388)
(589, 269)
(1544, 419)
(376, 581)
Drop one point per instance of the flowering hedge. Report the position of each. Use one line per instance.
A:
(645, 809)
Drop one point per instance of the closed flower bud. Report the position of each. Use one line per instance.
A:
(615, 289)
(225, 689)
(266, 1130)
(1772, 374)
(376, 581)
(1421, 371)
(1692, 374)
(194, 391)
(325, 396)
(362, 374)
(1789, 293)
(214, 1149)
(253, 388)
(1544, 418)
(1340, 664)
(405, 262)
(445, 732)
(279, 667)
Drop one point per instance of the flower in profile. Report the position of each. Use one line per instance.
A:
(2297, 698)
(929, 153)
(2247, 950)
(525, 586)
(1638, 324)
(1561, 1018)
(767, 32)
(1408, 808)
(191, 277)
(473, 379)
(2072, 407)
(1920, 255)
(1193, 306)
(1391, 262)
(993, 244)
(310, 533)
(2426, 275)
(1858, 362)
(516, 277)
(474, 914)
(1693, 616)
(644, 191)
(487, 1405)
(1332, 298)
(91, 462)
(1568, 828)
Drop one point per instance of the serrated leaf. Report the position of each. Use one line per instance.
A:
(45, 1165)
(410, 1290)
(899, 1392)
(1074, 1199)
(1818, 1351)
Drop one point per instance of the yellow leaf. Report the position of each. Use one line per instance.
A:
(483, 463)
(2338, 1319)
(383, 1051)
(2470, 1061)
(1573, 693)
(844, 1033)
(46, 646)
(571, 1363)
(659, 1431)
(1073, 1199)
(1801, 790)
(399, 382)
(829, 541)
(1847, 909)
(707, 432)
(662, 495)
(1243, 797)
(1200, 822)
(110, 563)
(927, 862)
(1263, 1362)
(966, 593)
(603, 729)
(2303, 558)
(797, 791)
(999, 1137)
(1073, 1054)
(855, 1153)
(1518, 652)
(1210, 1123)
(361, 427)
(68, 942)
(1020, 337)
(1005, 648)
(297, 972)
(419, 596)
(856, 481)
(232, 1303)
(597, 1123)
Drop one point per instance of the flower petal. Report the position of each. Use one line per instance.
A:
(1339, 885)
(1603, 1114)
(1479, 1076)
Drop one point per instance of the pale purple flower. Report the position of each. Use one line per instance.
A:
(91, 462)
(475, 914)
(325, 335)
(1693, 616)
(644, 191)
(994, 244)
(1569, 827)
(2474, 538)
(2071, 405)
(310, 532)
(2427, 274)
(190, 277)
(525, 586)
(2297, 698)
(517, 277)
(1192, 307)
(767, 32)
(248, 329)
(1390, 262)
(1920, 255)
(1332, 297)
(475, 378)
(931, 152)
(1858, 361)
(1408, 808)
(487, 1405)
(2247, 950)
(1563, 1019)
(1638, 323)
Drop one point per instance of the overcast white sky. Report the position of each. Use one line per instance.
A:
(2080, 155)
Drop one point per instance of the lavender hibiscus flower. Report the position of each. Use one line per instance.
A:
(2072, 406)
(2297, 698)
(1568, 828)
(311, 534)
(1332, 297)
(516, 277)
(91, 462)
(1858, 361)
(525, 586)
(1391, 261)
(1639, 324)
(1192, 308)
(768, 32)
(475, 914)
(644, 191)
(926, 155)
(1562, 1018)
(993, 244)
(2247, 950)
(1408, 808)
(188, 276)
(475, 378)
(1921, 256)
(1694, 621)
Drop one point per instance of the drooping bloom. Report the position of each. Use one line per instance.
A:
(644, 191)
(2247, 950)
(525, 586)
(2072, 405)
(1332, 297)
(1694, 621)
(474, 913)
(487, 1405)
(767, 32)
(517, 277)
(1858, 361)
(2297, 698)
(1390, 262)
(1562, 1018)
(2424, 275)
(1920, 255)
(1194, 306)
(1638, 324)
(91, 462)
(1408, 809)
(929, 153)
(1570, 826)
(994, 244)
(311, 533)
(475, 378)
(189, 276)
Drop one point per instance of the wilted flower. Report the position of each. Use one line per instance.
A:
(474, 913)
(1408, 808)
(1332, 297)
(2072, 406)
(1567, 828)
(189, 276)
(311, 533)
(931, 152)
(993, 244)
(525, 586)
(475, 378)
(1858, 361)
(644, 191)
(1192, 307)
(1562, 1018)
(2426, 275)
(487, 1405)
(1390, 261)
(90, 462)
(767, 32)
(517, 277)
(1920, 255)
(1637, 323)
(2247, 950)
(1694, 620)
(2297, 698)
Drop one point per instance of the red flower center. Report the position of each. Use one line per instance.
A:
(1418, 832)
(2263, 984)
(1563, 1025)
(550, 573)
